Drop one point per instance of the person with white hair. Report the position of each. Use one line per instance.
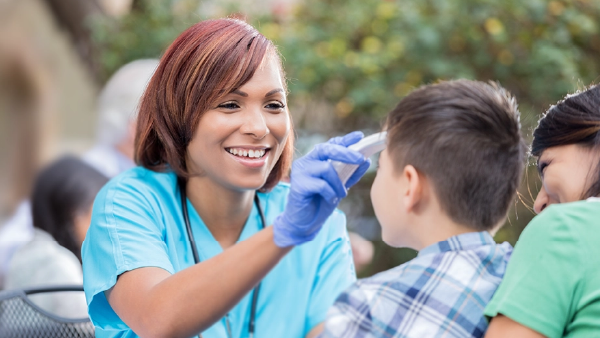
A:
(111, 154)
(117, 115)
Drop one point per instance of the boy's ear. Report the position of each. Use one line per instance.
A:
(413, 190)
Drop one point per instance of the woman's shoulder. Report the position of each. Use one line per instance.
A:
(141, 181)
(581, 214)
(145, 177)
(567, 224)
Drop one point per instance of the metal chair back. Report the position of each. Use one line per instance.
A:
(21, 318)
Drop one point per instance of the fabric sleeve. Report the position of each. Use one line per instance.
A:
(350, 316)
(126, 233)
(542, 276)
(335, 272)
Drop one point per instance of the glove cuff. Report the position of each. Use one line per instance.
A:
(282, 236)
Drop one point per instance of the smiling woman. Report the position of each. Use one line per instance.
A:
(182, 244)
(257, 108)
(551, 287)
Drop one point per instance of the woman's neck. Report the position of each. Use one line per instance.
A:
(223, 211)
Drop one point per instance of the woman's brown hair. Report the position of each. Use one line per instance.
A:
(207, 61)
(574, 120)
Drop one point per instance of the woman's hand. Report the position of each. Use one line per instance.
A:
(316, 189)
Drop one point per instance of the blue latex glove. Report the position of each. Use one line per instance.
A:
(316, 189)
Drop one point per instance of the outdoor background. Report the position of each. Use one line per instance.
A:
(348, 62)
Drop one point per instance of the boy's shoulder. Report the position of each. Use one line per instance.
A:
(458, 255)
(451, 278)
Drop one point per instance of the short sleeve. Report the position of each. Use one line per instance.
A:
(335, 272)
(542, 276)
(126, 233)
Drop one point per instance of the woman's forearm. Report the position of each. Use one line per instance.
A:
(154, 303)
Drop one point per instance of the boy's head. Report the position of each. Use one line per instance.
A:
(454, 148)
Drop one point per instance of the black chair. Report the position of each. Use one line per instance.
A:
(21, 318)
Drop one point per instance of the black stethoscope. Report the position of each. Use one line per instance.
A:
(186, 218)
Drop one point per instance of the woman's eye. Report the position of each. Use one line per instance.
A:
(275, 106)
(228, 105)
(541, 167)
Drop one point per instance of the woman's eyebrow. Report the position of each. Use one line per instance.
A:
(278, 90)
(274, 91)
(240, 93)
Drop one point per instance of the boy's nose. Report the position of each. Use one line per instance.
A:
(541, 201)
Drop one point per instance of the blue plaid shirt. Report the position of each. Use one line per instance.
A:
(440, 293)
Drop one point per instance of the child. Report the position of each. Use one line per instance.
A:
(453, 162)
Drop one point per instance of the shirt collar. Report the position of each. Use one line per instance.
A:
(460, 242)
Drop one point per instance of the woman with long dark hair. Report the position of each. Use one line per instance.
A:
(552, 284)
(61, 205)
(202, 237)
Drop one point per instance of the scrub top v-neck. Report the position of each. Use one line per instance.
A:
(207, 245)
(137, 222)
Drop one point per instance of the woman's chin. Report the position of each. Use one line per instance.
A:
(247, 184)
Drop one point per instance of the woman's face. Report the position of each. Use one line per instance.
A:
(239, 140)
(566, 173)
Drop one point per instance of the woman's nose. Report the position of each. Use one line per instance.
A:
(255, 124)
(541, 201)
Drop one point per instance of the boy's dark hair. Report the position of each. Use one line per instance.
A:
(574, 120)
(465, 137)
(62, 190)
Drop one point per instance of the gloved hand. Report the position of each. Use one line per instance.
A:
(316, 189)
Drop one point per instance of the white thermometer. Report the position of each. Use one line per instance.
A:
(368, 146)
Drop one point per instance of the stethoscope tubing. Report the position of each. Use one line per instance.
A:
(184, 210)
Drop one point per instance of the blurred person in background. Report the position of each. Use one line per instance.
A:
(117, 116)
(61, 205)
(111, 154)
(551, 287)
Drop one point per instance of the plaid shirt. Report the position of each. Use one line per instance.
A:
(440, 293)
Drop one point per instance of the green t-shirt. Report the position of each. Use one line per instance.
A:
(552, 282)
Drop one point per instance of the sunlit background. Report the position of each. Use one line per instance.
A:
(348, 62)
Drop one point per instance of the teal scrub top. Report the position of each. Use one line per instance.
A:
(137, 222)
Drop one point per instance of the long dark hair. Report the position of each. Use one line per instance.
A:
(574, 120)
(61, 191)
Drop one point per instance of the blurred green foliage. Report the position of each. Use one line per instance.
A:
(362, 56)
(145, 32)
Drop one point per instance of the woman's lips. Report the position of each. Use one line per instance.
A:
(251, 162)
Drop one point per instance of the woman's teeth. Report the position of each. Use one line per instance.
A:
(258, 153)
